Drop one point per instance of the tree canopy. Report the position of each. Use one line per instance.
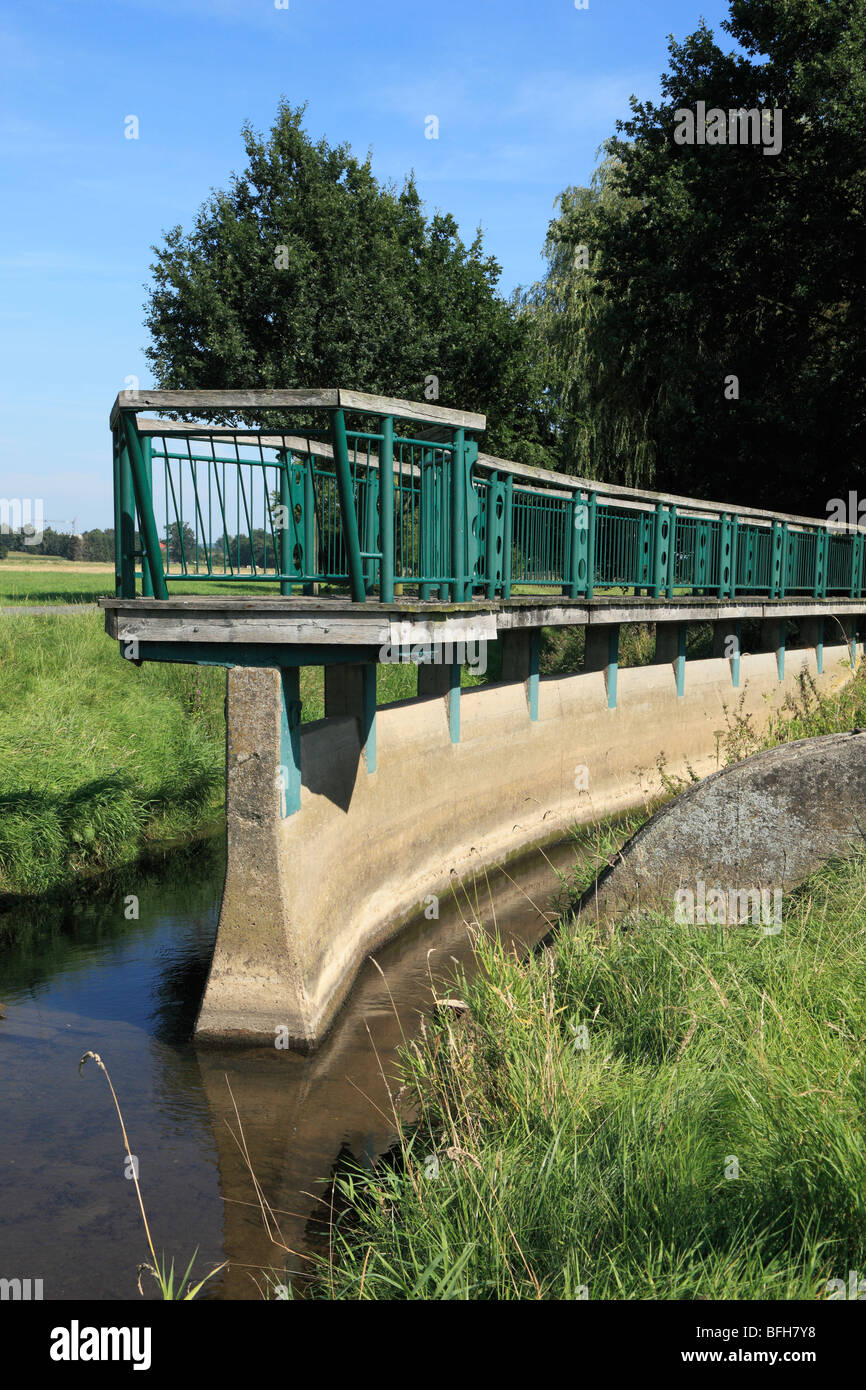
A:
(706, 262)
(308, 272)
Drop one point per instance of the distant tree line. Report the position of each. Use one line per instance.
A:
(89, 545)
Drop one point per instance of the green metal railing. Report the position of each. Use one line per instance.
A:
(370, 495)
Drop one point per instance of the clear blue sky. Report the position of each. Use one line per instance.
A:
(525, 91)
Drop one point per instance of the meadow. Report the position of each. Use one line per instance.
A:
(666, 1112)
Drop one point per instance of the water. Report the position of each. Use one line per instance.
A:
(80, 977)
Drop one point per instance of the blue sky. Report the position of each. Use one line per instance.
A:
(524, 90)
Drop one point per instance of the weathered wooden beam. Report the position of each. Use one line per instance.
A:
(330, 399)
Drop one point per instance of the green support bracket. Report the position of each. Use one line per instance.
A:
(144, 506)
(819, 647)
(532, 682)
(290, 742)
(347, 505)
(851, 634)
(612, 665)
(454, 702)
(386, 509)
(681, 659)
(368, 719)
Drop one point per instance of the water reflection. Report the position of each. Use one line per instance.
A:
(79, 976)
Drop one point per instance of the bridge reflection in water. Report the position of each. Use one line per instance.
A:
(302, 1116)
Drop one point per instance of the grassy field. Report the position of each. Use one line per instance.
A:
(98, 758)
(676, 1112)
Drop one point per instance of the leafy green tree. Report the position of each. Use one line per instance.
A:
(308, 272)
(181, 543)
(714, 261)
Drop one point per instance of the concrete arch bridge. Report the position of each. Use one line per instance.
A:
(352, 530)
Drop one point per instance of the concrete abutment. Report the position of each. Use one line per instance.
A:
(338, 831)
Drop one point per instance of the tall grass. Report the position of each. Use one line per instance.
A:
(709, 1141)
(98, 757)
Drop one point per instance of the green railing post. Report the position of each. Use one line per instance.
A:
(147, 455)
(591, 533)
(824, 536)
(458, 516)
(672, 551)
(661, 551)
(493, 534)
(288, 517)
(735, 545)
(856, 546)
(724, 556)
(577, 550)
(386, 510)
(507, 537)
(371, 526)
(144, 504)
(348, 513)
(427, 520)
(311, 555)
(124, 521)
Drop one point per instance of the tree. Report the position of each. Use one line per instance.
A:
(716, 342)
(181, 543)
(308, 272)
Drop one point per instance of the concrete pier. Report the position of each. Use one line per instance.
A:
(309, 895)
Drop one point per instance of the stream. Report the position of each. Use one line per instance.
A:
(83, 977)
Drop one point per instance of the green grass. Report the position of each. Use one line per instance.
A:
(98, 758)
(709, 1142)
(18, 586)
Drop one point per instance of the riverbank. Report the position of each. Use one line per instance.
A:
(676, 1112)
(99, 759)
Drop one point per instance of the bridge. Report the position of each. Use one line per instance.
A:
(352, 530)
